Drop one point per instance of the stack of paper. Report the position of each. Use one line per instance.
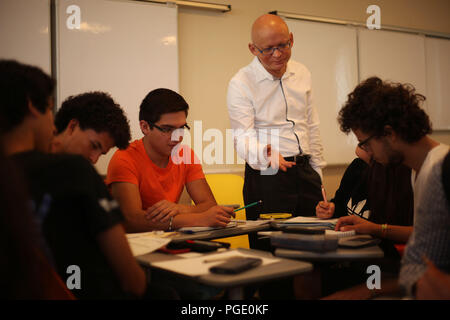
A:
(340, 234)
(146, 242)
(309, 222)
(252, 223)
(200, 229)
(231, 224)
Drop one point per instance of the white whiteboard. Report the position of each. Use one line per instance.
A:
(124, 48)
(438, 82)
(393, 56)
(341, 56)
(330, 53)
(24, 32)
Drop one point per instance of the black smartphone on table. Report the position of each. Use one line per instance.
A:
(236, 265)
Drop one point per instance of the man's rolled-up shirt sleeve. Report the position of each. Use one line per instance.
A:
(242, 115)
(315, 142)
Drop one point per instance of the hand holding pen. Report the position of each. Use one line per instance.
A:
(220, 216)
(324, 209)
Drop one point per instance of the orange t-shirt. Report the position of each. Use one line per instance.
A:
(133, 165)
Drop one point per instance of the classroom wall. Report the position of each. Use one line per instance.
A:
(213, 47)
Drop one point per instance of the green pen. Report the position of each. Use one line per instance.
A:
(249, 205)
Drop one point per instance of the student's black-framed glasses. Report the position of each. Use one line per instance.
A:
(168, 129)
(364, 144)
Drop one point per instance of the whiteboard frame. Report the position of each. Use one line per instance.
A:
(296, 16)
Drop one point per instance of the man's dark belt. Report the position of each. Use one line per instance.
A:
(300, 158)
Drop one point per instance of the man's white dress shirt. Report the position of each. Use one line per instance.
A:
(266, 110)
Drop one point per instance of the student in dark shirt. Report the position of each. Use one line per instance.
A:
(75, 210)
(24, 261)
(351, 196)
(79, 219)
(376, 196)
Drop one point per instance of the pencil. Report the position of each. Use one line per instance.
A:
(324, 195)
(249, 205)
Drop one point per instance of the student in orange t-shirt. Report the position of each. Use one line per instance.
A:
(148, 177)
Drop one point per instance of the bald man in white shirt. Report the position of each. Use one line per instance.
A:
(276, 127)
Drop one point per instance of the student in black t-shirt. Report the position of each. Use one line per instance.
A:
(375, 196)
(79, 219)
(24, 261)
(351, 196)
(372, 199)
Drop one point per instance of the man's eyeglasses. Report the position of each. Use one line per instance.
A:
(270, 51)
(363, 144)
(168, 129)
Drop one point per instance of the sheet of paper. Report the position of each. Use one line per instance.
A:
(143, 243)
(200, 229)
(300, 219)
(197, 266)
(251, 222)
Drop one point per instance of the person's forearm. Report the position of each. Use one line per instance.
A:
(391, 232)
(317, 160)
(198, 208)
(136, 222)
(187, 220)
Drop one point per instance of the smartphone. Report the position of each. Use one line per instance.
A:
(198, 245)
(236, 265)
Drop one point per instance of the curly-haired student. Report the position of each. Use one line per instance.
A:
(390, 124)
(89, 124)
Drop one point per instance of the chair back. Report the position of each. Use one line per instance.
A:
(227, 190)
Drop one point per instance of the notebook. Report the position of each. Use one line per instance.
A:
(202, 229)
(340, 234)
(310, 222)
(362, 240)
